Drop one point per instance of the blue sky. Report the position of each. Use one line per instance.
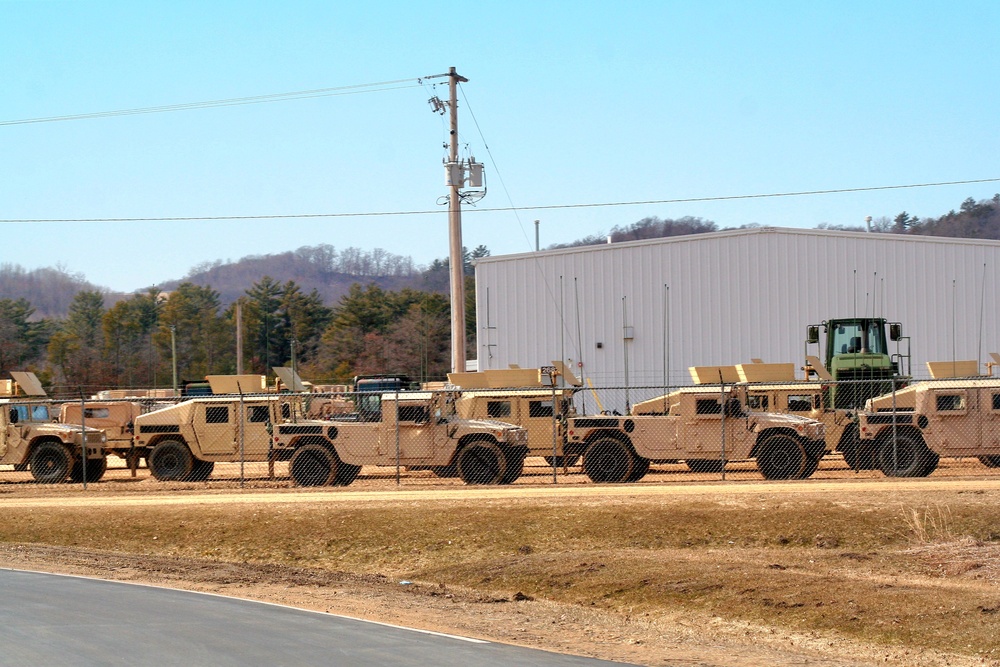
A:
(573, 103)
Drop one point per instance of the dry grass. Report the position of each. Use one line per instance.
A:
(924, 576)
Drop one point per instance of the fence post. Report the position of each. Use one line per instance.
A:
(241, 426)
(83, 437)
(555, 458)
(396, 408)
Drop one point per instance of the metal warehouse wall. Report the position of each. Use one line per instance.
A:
(728, 297)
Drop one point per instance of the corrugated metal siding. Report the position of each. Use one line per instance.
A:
(732, 296)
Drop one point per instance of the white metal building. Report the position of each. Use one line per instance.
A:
(640, 313)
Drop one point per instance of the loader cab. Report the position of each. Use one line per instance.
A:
(857, 358)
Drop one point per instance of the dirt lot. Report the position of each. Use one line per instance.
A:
(822, 572)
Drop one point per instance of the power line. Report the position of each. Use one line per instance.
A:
(542, 207)
(233, 101)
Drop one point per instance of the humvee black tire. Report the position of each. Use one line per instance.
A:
(811, 465)
(50, 462)
(447, 471)
(562, 461)
(909, 458)
(781, 456)
(513, 467)
(608, 460)
(705, 465)
(482, 462)
(346, 473)
(856, 456)
(201, 470)
(640, 467)
(20, 467)
(171, 461)
(313, 465)
(991, 461)
(95, 470)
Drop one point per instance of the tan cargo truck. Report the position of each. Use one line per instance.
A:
(688, 424)
(909, 431)
(418, 430)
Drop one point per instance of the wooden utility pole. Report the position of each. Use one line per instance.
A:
(455, 236)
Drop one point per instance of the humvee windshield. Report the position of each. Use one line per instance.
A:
(30, 413)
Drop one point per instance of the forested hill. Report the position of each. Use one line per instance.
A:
(49, 291)
(322, 268)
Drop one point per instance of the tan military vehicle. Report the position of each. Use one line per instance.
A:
(115, 418)
(30, 438)
(529, 398)
(183, 442)
(909, 431)
(418, 430)
(688, 424)
(775, 388)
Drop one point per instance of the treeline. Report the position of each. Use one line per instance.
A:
(135, 341)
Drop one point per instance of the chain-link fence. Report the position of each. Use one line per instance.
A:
(547, 435)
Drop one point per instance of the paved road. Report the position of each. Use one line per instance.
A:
(58, 620)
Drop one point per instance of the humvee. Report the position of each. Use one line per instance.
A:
(774, 388)
(184, 441)
(909, 431)
(30, 439)
(532, 409)
(688, 424)
(115, 418)
(416, 429)
(526, 397)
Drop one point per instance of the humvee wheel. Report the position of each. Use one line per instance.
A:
(639, 469)
(50, 462)
(513, 467)
(811, 465)
(608, 460)
(201, 470)
(171, 461)
(95, 469)
(482, 462)
(781, 457)
(909, 458)
(565, 461)
(990, 461)
(346, 473)
(705, 465)
(313, 465)
(856, 456)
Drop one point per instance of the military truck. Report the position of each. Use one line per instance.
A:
(533, 409)
(416, 429)
(907, 432)
(530, 398)
(30, 439)
(701, 426)
(115, 418)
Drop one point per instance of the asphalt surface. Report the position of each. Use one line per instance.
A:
(61, 620)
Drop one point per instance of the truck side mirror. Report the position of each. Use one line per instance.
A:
(812, 334)
(895, 331)
(13, 415)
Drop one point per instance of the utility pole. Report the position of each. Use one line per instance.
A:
(456, 176)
